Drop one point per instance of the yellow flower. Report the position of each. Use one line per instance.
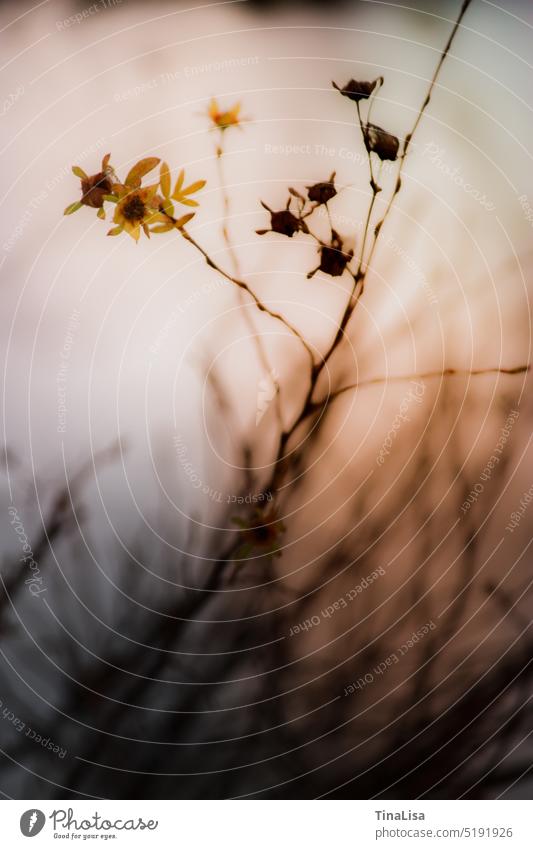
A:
(223, 120)
(149, 208)
(136, 208)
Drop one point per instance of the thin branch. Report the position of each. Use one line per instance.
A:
(401, 378)
(409, 136)
(360, 276)
(261, 353)
(226, 206)
(440, 63)
(244, 286)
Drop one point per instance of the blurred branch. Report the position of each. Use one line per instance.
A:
(244, 286)
(416, 376)
(261, 353)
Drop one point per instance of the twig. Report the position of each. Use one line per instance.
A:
(409, 136)
(244, 286)
(359, 277)
(401, 378)
(261, 353)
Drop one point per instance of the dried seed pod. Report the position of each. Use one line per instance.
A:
(356, 90)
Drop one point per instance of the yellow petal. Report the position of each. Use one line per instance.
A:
(105, 161)
(194, 187)
(79, 172)
(181, 222)
(168, 206)
(213, 109)
(151, 218)
(179, 184)
(162, 228)
(148, 193)
(134, 229)
(120, 190)
(118, 217)
(73, 207)
(188, 202)
(143, 167)
(164, 180)
(114, 231)
(101, 213)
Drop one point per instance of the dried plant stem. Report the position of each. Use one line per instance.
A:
(359, 276)
(226, 207)
(409, 136)
(427, 375)
(261, 353)
(244, 286)
(310, 407)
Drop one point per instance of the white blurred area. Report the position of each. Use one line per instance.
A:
(135, 80)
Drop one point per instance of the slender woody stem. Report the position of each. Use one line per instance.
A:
(244, 286)
(261, 353)
(427, 375)
(359, 277)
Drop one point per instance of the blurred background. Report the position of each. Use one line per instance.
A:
(137, 409)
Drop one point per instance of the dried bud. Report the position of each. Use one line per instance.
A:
(94, 189)
(384, 144)
(333, 260)
(357, 91)
(322, 192)
(284, 222)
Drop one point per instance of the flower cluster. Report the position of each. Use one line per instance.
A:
(292, 220)
(148, 208)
